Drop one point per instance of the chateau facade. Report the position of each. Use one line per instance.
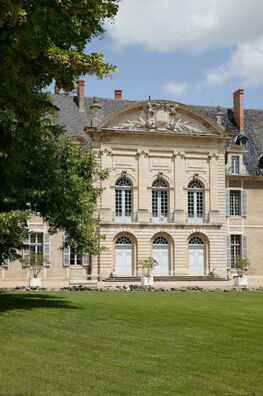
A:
(185, 187)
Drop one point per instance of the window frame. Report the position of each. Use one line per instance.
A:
(123, 200)
(193, 201)
(75, 258)
(160, 201)
(234, 166)
(232, 203)
(235, 246)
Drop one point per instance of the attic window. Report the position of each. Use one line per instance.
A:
(242, 140)
(235, 165)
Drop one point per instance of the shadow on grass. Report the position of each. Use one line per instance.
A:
(24, 301)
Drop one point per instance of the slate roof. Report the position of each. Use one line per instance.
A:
(75, 122)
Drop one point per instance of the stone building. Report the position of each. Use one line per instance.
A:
(185, 187)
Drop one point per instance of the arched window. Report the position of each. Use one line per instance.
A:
(195, 201)
(123, 200)
(123, 240)
(159, 201)
(196, 240)
(160, 240)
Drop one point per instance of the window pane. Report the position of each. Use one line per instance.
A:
(164, 203)
(75, 259)
(235, 203)
(199, 204)
(235, 164)
(155, 203)
(128, 203)
(79, 259)
(118, 202)
(72, 256)
(36, 243)
(190, 204)
(235, 249)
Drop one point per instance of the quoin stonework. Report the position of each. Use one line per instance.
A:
(185, 186)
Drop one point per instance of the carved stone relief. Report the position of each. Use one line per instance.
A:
(160, 116)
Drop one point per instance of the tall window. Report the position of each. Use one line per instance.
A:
(235, 165)
(123, 200)
(235, 249)
(159, 201)
(195, 201)
(235, 203)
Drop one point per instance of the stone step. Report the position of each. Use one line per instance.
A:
(164, 278)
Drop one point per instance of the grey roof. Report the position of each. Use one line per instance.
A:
(75, 121)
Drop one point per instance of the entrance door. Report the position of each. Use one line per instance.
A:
(196, 257)
(123, 257)
(161, 255)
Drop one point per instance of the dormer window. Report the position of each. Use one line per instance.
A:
(235, 168)
(242, 140)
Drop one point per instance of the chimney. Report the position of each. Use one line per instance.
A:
(118, 94)
(81, 101)
(56, 90)
(238, 108)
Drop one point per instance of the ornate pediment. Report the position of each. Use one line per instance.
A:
(160, 116)
(163, 116)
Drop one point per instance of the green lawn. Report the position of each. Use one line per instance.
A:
(121, 343)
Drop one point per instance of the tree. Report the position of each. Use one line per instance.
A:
(44, 40)
(40, 170)
(45, 173)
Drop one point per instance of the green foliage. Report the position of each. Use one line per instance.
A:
(44, 40)
(13, 230)
(242, 263)
(147, 265)
(40, 170)
(35, 263)
(40, 165)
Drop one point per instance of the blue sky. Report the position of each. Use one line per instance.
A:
(195, 52)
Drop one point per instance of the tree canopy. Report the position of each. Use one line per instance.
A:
(41, 171)
(44, 40)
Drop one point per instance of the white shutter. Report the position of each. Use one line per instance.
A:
(66, 252)
(244, 247)
(85, 259)
(228, 252)
(46, 249)
(244, 203)
(227, 202)
(26, 250)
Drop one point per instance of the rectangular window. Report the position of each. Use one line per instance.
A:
(235, 203)
(235, 165)
(75, 259)
(235, 249)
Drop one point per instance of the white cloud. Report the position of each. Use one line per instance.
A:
(196, 26)
(176, 89)
(193, 25)
(245, 64)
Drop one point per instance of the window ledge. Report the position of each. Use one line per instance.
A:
(77, 266)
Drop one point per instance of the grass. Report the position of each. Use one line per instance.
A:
(120, 343)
